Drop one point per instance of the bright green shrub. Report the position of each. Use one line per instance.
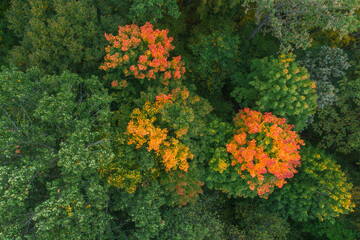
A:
(279, 86)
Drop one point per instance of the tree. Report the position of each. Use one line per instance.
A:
(279, 86)
(157, 138)
(142, 11)
(259, 223)
(52, 141)
(326, 67)
(336, 127)
(292, 21)
(264, 153)
(61, 35)
(214, 56)
(319, 191)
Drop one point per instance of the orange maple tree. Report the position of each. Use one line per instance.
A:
(264, 149)
(143, 53)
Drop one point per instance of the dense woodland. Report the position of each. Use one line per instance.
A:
(187, 119)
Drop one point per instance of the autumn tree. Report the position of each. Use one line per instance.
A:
(158, 139)
(264, 152)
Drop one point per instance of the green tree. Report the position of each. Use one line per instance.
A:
(279, 86)
(142, 11)
(326, 67)
(336, 127)
(319, 191)
(259, 223)
(213, 59)
(51, 144)
(62, 35)
(7, 38)
(292, 21)
(192, 222)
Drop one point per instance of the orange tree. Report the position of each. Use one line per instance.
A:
(143, 53)
(157, 121)
(264, 152)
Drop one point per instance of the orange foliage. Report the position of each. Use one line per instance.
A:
(264, 145)
(141, 130)
(143, 52)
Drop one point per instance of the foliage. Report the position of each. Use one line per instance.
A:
(50, 187)
(259, 223)
(326, 67)
(292, 21)
(60, 35)
(142, 11)
(143, 53)
(319, 191)
(7, 38)
(279, 86)
(162, 134)
(264, 152)
(183, 188)
(137, 152)
(192, 222)
(214, 55)
(336, 127)
(332, 231)
(172, 152)
(142, 209)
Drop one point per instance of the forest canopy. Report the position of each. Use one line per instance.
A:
(179, 119)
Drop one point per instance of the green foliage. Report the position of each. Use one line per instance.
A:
(279, 86)
(339, 230)
(319, 191)
(143, 210)
(326, 67)
(131, 158)
(292, 21)
(142, 11)
(60, 35)
(220, 174)
(214, 55)
(259, 223)
(50, 187)
(192, 222)
(7, 38)
(225, 8)
(336, 127)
